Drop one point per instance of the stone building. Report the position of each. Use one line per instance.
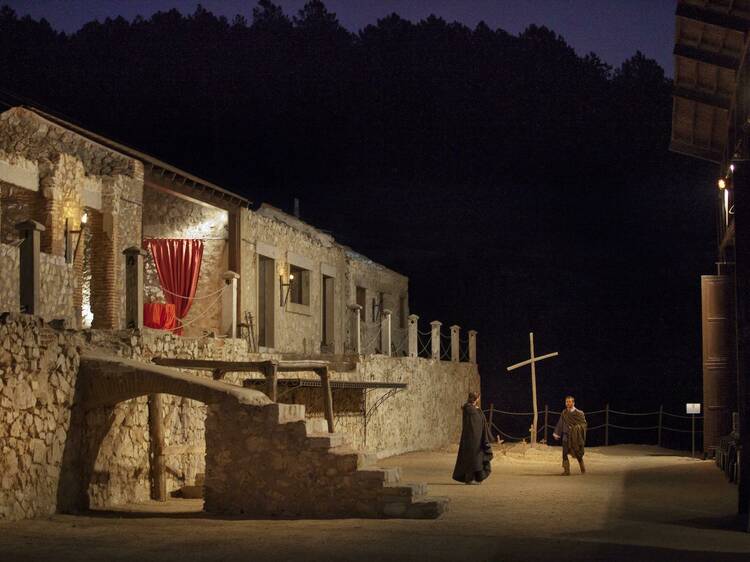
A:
(75, 210)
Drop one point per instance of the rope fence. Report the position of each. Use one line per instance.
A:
(607, 412)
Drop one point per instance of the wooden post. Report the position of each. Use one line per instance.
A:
(692, 435)
(30, 270)
(158, 466)
(134, 287)
(546, 424)
(533, 390)
(272, 380)
(327, 397)
(492, 412)
(606, 424)
(661, 415)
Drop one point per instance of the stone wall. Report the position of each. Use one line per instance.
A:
(9, 279)
(168, 216)
(38, 369)
(58, 283)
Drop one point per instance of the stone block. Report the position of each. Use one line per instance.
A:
(325, 440)
(379, 475)
(430, 508)
(404, 490)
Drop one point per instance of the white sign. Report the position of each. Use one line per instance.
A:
(693, 408)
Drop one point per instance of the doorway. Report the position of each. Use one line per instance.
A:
(327, 341)
(266, 269)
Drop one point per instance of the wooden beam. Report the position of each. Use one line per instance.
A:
(706, 57)
(327, 397)
(712, 17)
(720, 102)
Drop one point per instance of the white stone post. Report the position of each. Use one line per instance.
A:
(134, 287)
(29, 265)
(455, 343)
(229, 304)
(357, 309)
(472, 346)
(413, 335)
(436, 339)
(385, 332)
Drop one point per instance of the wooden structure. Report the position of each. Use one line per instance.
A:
(711, 121)
(270, 369)
(533, 360)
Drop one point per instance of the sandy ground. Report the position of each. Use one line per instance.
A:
(635, 503)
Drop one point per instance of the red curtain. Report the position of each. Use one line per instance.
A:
(178, 263)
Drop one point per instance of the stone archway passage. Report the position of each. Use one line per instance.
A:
(261, 460)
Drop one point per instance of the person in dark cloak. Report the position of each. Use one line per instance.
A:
(572, 428)
(473, 464)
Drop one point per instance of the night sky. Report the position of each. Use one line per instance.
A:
(613, 29)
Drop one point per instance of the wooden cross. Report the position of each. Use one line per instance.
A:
(533, 361)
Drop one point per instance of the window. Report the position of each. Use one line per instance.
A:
(299, 291)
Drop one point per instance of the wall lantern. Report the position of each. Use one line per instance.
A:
(71, 250)
(722, 183)
(282, 295)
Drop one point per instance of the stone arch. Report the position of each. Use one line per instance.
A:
(106, 381)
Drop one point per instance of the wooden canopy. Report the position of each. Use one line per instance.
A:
(710, 49)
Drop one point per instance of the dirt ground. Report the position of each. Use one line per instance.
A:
(635, 503)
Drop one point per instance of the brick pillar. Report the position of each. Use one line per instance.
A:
(357, 309)
(413, 335)
(472, 346)
(53, 237)
(229, 304)
(385, 332)
(134, 287)
(30, 232)
(436, 324)
(104, 298)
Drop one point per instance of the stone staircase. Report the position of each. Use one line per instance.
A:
(381, 491)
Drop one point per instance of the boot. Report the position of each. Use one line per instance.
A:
(566, 467)
(583, 466)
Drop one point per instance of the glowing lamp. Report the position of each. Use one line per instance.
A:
(722, 183)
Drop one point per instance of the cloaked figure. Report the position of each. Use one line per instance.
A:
(572, 428)
(473, 464)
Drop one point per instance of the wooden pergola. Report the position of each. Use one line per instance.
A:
(269, 368)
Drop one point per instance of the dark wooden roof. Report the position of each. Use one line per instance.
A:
(710, 49)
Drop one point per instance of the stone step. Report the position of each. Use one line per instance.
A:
(379, 475)
(351, 459)
(427, 508)
(287, 413)
(400, 492)
(325, 440)
(316, 425)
